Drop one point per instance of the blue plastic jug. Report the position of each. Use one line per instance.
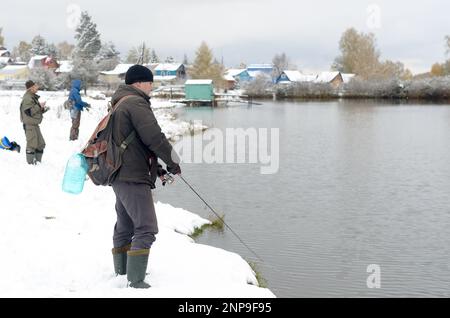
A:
(75, 174)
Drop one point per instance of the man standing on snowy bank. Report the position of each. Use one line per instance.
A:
(136, 226)
(31, 115)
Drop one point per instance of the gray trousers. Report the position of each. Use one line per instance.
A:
(35, 140)
(76, 119)
(136, 217)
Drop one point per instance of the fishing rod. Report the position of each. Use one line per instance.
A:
(221, 219)
(169, 179)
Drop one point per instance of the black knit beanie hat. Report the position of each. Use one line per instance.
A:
(138, 73)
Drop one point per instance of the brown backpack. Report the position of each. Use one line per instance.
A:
(103, 156)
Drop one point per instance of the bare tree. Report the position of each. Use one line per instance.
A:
(206, 67)
(359, 54)
(139, 55)
(259, 87)
(437, 69)
(22, 51)
(280, 63)
(389, 69)
(65, 50)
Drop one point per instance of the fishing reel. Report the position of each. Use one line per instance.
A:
(166, 178)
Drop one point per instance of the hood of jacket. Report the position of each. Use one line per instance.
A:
(76, 84)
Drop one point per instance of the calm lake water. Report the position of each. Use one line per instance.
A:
(360, 183)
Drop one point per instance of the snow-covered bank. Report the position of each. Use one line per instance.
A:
(172, 127)
(58, 245)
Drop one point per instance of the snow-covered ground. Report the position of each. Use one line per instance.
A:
(58, 245)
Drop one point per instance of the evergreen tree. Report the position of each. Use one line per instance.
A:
(86, 50)
(132, 56)
(86, 71)
(108, 57)
(153, 57)
(39, 46)
(52, 50)
(108, 51)
(185, 60)
(169, 59)
(88, 38)
(45, 78)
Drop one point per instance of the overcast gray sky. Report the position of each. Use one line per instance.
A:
(249, 31)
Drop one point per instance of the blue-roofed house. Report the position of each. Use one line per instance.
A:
(264, 68)
(234, 77)
(258, 70)
(169, 72)
(294, 77)
(240, 75)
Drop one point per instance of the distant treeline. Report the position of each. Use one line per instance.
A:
(435, 88)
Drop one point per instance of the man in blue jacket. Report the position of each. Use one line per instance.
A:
(75, 111)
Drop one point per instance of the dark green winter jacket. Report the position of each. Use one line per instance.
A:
(136, 114)
(30, 109)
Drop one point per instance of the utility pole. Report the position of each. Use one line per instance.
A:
(141, 57)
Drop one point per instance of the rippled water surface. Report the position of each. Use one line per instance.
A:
(359, 183)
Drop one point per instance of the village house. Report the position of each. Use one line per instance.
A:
(288, 77)
(333, 78)
(65, 67)
(44, 61)
(240, 75)
(115, 76)
(4, 52)
(234, 77)
(264, 68)
(14, 72)
(5, 57)
(230, 81)
(5, 60)
(169, 73)
(347, 77)
(152, 67)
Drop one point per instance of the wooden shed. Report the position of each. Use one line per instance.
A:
(199, 90)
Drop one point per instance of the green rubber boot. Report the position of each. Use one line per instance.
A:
(120, 259)
(136, 268)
